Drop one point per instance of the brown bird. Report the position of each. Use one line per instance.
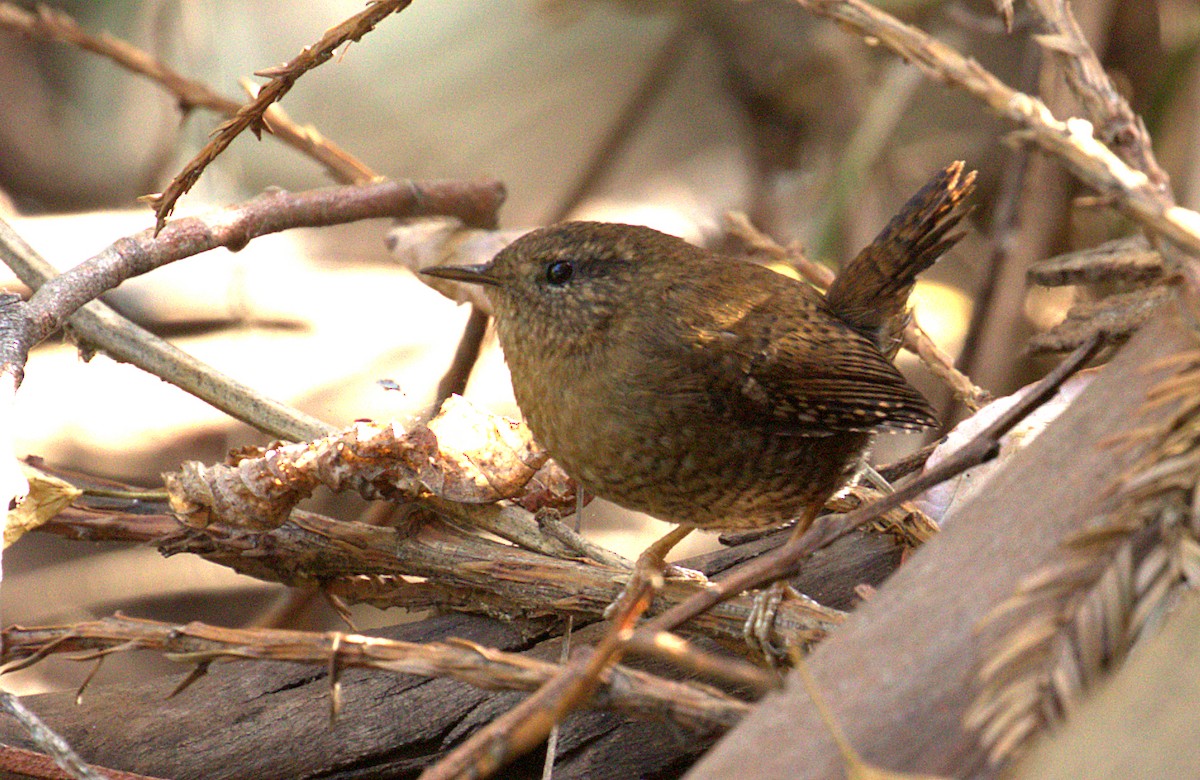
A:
(704, 390)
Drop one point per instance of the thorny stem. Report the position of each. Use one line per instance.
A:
(251, 115)
(52, 24)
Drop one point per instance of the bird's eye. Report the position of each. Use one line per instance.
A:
(559, 272)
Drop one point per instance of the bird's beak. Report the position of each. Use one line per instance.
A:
(471, 274)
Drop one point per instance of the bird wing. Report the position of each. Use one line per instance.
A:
(785, 362)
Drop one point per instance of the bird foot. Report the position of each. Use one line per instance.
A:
(759, 629)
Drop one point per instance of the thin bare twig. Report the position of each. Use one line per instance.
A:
(817, 274)
(528, 724)
(470, 343)
(1073, 142)
(283, 77)
(686, 656)
(100, 327)
(625, 690)
(54, 25)
(51, 742)
(941, 365)
(233, 227)
(31, 765)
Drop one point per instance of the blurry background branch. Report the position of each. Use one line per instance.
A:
(251, 115)
(1072, 142)
(68, 297)
(51, 24)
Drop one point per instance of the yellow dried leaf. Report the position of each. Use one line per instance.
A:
(47, 497)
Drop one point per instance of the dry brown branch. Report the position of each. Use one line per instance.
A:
(235, 226)
(461, 456)
(549, 523)
(466, 354)
(941, 365)
(527, 725)
(831, 574)
(911, 526)
(342, 166)
(54, 745)
(1118, 126)
(391, 725)
(1072, 141)
(630, 691)
(54, 25)
(251, 115)
(367, 563)
(19, 763)
(515, 524)
(817, 274)
(98, 326)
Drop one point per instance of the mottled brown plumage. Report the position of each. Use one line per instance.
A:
(701, 389)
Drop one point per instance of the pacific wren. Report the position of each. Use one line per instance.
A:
(701, 389)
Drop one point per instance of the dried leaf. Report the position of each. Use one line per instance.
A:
(463, 455)
(46, 498)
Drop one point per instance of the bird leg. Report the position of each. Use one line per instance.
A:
(759, 628)
(648, 570)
